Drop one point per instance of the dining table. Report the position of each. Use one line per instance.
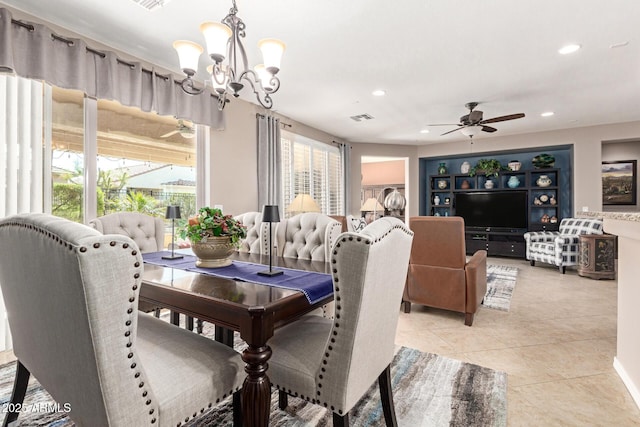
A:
(253, 309)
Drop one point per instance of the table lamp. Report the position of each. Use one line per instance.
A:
(370, 209)
(303, 203)
(270, 214)
(173, 213)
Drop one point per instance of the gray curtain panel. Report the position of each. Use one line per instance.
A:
(33, 51)
(269, 165)
(345, 158)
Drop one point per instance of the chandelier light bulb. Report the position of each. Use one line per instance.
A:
(188, 55)
(216, 36)
(265, 77)
(272, 51)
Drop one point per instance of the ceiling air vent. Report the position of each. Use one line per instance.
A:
(151, 4)
(362, 117)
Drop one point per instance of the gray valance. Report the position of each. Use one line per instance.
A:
(34, 51)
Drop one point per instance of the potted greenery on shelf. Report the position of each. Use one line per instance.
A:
(488, 166)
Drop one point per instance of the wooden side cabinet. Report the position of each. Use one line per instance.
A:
(597, 256)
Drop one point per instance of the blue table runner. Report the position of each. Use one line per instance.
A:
(315, 286)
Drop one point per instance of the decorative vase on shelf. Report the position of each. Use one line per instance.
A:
(465, 185)
(514, 165)
(513, 182)
(436, 200)
(465, 167)
(543, 181)
(442, 184)
(488, 184)
(442, 168)
(214, 252)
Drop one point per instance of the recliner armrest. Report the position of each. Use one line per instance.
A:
(567, 239)
(476, 277)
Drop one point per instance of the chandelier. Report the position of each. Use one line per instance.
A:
(224, 42)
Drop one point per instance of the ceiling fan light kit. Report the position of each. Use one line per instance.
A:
(224, 42)
(472, 124)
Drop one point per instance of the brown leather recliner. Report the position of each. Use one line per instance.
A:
(439, 274)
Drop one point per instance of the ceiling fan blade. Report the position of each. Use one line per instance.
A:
(167, 135)
(446, 124)
(488, 129)
(451, 131)
(502, 118)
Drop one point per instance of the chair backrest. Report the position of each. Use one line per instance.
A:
(438, 241)
(257, 240)
(71, 296)
(580, 226)
(147, 231)
(307, 235)
(369, 273)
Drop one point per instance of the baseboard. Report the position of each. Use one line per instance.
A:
(633, 388)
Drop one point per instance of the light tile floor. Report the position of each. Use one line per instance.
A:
(556, 343)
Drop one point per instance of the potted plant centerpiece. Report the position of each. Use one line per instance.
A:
(213, 236)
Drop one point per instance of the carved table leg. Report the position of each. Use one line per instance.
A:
(256, 390)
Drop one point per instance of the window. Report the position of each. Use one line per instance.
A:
(314, 168)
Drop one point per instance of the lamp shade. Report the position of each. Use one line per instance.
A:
(188, 54)
(371, 205)
(173, 212)
(272, 50)
(270, 213)
(303, 203)
(216, 36)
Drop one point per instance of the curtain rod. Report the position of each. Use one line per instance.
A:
(70, 42)
(286, 125)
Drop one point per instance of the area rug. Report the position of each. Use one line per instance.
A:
(429, 391)
(501, 280)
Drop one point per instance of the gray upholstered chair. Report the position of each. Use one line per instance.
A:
(560, 248)
(307, 235)
(334, 362)
(257, 240)
(71, 294)
(147, 231)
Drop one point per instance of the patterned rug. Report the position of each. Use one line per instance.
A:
(501, 280)
(429, 391)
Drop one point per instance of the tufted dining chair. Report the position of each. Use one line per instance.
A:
(308, 235)
(257, 240)
(71, 296)
(147, 231)
(333, 362)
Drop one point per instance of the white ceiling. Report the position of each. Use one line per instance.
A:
(430, 56)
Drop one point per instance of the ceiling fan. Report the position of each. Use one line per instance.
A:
(184, 130)
(470, 124)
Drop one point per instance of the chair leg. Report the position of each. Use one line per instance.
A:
(532, 262)
(283, 399)
(340, 420)
(386, 395)
(237, 409)
(175, 318)
(19, 391)
(407, 306)
(157, 313)
(190, 323)
(468, 319)
(199, 326)
(562, 269)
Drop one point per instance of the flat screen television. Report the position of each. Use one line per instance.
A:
(495, 209)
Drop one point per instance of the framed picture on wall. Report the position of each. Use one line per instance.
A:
(619, 182)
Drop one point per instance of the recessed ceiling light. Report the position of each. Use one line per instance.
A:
(547, 114)
(424, 131)
(570, 48)
(379, 92)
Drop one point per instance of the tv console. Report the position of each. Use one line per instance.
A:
(497, 242)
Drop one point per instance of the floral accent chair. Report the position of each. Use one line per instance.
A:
(333, 362)
(72, 298)
(560, 248)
